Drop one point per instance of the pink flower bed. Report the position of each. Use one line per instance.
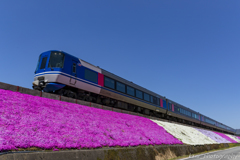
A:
(226, 137)
(31, 121)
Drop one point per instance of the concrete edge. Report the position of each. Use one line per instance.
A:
(126, 153)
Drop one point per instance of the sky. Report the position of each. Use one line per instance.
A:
(187, 51)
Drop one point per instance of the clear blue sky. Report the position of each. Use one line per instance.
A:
(188, 50)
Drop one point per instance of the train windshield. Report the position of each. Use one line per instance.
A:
(56, 60)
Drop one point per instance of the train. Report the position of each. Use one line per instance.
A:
(60, 73)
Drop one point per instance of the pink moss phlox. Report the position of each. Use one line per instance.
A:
(213, 136)
(31, 121)
(226, 137)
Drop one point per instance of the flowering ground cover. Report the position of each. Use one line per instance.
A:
(233, 137)
(31, 121)
(187, 135)
(226, 137)
(213, 136)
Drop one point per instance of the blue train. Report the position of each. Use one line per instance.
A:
(61, 73)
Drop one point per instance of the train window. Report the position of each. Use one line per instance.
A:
(130, 91)
(74, 68)
(43, 64)
(91, 75)
(108, 82)
(158, 101)
(120, 87)
(151, 99)
(56, 60)
(209, 121)
(146, 97)
(139, 94)
(155, 100)
(194, 115)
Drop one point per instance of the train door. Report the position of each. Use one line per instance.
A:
(73, 78)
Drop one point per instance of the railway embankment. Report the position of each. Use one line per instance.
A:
(57, 129)
(124, 153)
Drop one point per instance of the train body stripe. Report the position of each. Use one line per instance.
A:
(96, 85)
(68, 75)
(100, 79)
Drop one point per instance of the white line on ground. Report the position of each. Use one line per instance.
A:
(209, 153)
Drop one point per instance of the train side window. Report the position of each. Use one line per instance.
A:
(151, 99)
(108, 82)
(130, 91)
(146, 97)
(74, 68)
(43, 64)
(155, 100)
(120, 87)
(91, 75)
(139, 94)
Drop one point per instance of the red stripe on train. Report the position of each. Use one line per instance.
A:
(100, 79)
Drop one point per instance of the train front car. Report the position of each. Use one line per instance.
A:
(61, 73)
(49, 68)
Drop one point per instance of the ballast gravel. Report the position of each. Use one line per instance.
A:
(31, 121)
